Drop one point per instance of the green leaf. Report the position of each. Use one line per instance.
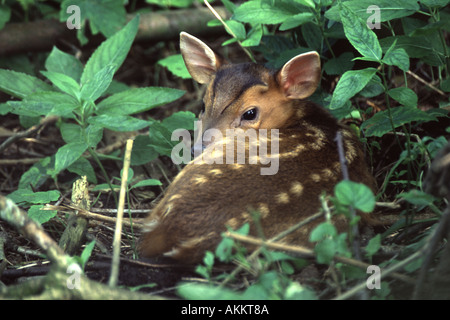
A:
(417, 197)
(106, 16)
(253, 37)
(180, 120)
(87, 251)
(339, 65)
(176, 65)
(256, 12)
(421, 47)
(93, 88)
(61, 62)
(68, 154)
(137, 100)
(380, 124)
(45, 103)
(26, 196)
(297, 20)
(147, 183)
(389, 9)
(374, 245)
(5, 15)
(350, 84)
(20, 85)
(355, 194)
(195, 291)
(325, 251)
(35, 176)
(111, 52)
(141, 153)
(63, 82)
(237, 28)
(83, 167)
(322, 231)
(41, 216)
(404, 95)
(435, 3)
(358, 33)
(397, 57)
(118, 122)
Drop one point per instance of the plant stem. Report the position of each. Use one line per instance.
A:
(105, 174)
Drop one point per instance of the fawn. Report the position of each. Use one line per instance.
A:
(205, 198)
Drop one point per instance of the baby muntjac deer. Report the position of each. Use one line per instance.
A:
(207, 197)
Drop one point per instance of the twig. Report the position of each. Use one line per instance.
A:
(118, 231)
(28, 132)
(385, 272)
(217, 15)
(88, 214)
(276, 238)
(415, 76)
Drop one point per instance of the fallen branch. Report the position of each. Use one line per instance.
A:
(42, 35)
(55, 285)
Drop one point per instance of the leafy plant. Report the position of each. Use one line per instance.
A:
(76, 95)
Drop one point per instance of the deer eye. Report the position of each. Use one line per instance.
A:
(250, 114)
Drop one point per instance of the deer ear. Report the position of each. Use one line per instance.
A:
(300, 76)
(201, 62)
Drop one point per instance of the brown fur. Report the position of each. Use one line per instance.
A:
(205, 198)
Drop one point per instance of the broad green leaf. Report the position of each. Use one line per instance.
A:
(160, 138)
(416, 47)
(180, 120)
(358, 33)
(113, 51)
(404, 95)
(325, 251)
(237, 28)
(141, 153)
(354, 194)
(380, 124)
(61, 62)
(93, 88)
(196, 291)
(374, 245)
(176, 65)
(106, 16)
(296, 20)
(435, 3)
(44, 103)
(83, 167)
(63, 82)
(71, 132)
(389, 9)
(256, 12)
(137, 100)
(20, 85)
(397, 57)
(307, 3)
(350, 84)
(41, 216)
(68, 154)
(37, 174)
(147, 183)
(323, 231)
(417, 197)
(119, 123)
(254, 37)
(339, 65)
(27, 196)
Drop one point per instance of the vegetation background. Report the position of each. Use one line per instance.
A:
(71, 97)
